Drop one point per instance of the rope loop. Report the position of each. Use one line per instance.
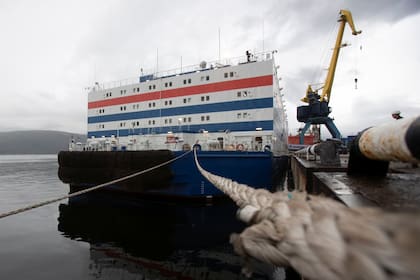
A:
(321, 238)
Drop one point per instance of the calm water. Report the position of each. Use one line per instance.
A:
(103, 237)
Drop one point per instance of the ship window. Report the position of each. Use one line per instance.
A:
(138, 89)
(153, 104)
(226, 75)
(166, 102)
(202, 118)
(185, 81)
(238, 116)
(207, 98)
(138, 123)
(245, 94)
(166, 84)
(207, 118)
(231, 74)
(170, 84)
(189, 81)
(207, 78)
(239, 94)
(150, 87)
(185, 120)
(134, 89)
(153, 122)
(150, 122)
(170, 102)
(202, 98)
(166, 121)
(185, 100)
(189, 119)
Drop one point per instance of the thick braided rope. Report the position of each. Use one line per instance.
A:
(50, 201)
(321, 238)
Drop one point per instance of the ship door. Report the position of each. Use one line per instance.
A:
(220, 139)
(258, 143)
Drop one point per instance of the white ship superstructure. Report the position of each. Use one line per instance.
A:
(233, 106)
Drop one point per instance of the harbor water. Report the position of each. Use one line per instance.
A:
(98, 236)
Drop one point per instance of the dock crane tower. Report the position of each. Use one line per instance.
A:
(317, 110)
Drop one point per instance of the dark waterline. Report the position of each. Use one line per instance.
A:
(103, 237)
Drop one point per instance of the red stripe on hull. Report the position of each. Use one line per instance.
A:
(221, 86)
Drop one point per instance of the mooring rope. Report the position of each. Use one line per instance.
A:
(321, 238)
(36, 205)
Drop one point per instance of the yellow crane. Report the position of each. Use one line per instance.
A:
(317, 111)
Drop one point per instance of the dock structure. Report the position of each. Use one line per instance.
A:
(397, 191)
(381, 170)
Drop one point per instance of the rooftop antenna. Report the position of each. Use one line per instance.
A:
(157, 61)
(219, 44)
(263, 36)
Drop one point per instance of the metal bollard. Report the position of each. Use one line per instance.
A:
(375, 147)
(327, 150)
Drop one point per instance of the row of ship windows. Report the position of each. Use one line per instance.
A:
(153, 104)
(242, 115)
(169, 102)
(169, 84)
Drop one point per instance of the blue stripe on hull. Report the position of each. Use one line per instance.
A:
(187, 110)
(251, 168)
(216, 127)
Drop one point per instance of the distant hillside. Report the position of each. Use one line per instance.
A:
(36, 141)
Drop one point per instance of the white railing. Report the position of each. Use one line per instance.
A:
(262, 56)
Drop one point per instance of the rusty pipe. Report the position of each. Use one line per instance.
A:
(394, 141)
(375, 147)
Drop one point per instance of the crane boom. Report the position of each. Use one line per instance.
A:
(345, 17)
(317, 111)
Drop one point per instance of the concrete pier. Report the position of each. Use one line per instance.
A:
(398, 190)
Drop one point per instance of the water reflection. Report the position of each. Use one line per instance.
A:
(140, 239)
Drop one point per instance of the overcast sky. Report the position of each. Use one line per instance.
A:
(51, 51)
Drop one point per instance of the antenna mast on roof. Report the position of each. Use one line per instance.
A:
(219, 44)
(263, 36)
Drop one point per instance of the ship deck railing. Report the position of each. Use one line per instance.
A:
(154, 75)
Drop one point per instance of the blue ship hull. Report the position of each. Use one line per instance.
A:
(251, 168)
(180, 179)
